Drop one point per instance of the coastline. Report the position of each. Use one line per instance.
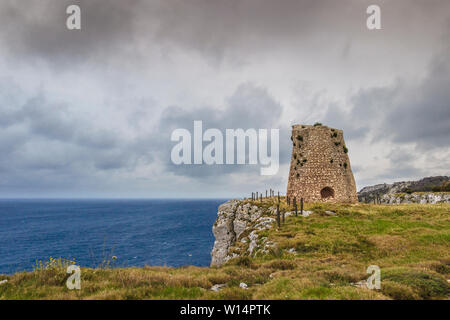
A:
(319, 256)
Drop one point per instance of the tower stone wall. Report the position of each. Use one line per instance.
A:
(320, 167)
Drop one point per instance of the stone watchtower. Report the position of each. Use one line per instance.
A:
(320, 168)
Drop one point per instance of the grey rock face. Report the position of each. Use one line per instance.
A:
(416, 198)
(377, 192)
(218, 287)
(237, 230)
(307, 213)
(243, 285)
(237, 222)
(224, 232)
(253, 244)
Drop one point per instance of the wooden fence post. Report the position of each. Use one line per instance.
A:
(278, 215)
(295, 206)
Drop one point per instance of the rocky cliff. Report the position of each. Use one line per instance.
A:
(239, 226)
(392, 193)
(236, 229)
(416, 197)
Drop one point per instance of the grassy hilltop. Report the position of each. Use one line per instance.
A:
(316, 257)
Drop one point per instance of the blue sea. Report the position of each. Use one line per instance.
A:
(137, 232)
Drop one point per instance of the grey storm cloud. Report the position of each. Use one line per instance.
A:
(407, 112)
(37, 29)
(404, 112)
(209, 26)
(402, 165)
(423, 112)
(45, 143)
(55, 140)
(250, 107)
(93, 110)
(56, 122)
(113, 30)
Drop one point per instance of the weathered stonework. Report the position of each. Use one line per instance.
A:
(320, 167)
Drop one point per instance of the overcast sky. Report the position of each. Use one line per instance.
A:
(89, 113)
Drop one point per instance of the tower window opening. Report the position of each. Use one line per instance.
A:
(327, 192)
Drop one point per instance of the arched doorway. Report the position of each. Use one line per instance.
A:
(327, 192)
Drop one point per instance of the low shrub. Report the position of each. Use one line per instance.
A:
(398, 291)
(281, 265)
(242, 261)
(427, 285)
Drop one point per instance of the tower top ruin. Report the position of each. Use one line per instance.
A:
(320, 167)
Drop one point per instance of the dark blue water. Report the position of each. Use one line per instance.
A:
(137, 232)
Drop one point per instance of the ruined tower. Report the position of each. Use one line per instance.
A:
(320, 168)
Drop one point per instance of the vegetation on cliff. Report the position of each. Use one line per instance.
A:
(321, 256)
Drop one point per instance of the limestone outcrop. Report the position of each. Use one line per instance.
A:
(238, 226)
(416, 197)
(236, 230)
(420, 191)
